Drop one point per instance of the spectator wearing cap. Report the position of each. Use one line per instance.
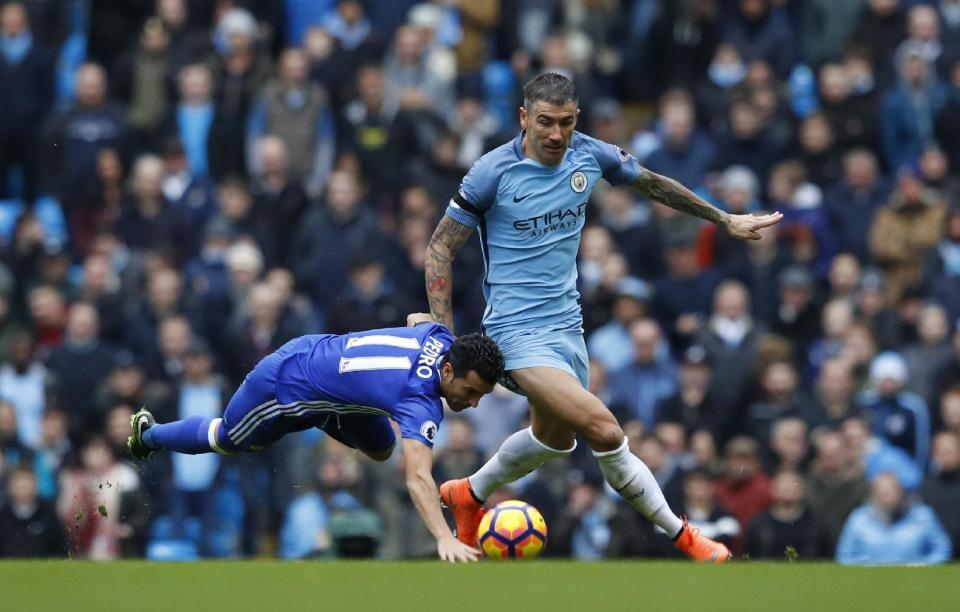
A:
(892, 529)
(897, 416)
(79, 365)
(930, 353)
(611, 343)
(789, 523)
(692, 405)
(852, 202)
(797, 316)
(638, 387)
(909, 107)
(682, 294)
(903, 231)
(26, 78)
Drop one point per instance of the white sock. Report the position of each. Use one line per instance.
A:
(519, 455)
(632, 479)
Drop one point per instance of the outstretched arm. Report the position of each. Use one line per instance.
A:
(671, 193)
(447, 240)
(418, 459)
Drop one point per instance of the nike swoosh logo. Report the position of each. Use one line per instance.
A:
(521, 199)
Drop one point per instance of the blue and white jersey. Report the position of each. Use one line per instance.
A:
(529, 217)
(392, 372)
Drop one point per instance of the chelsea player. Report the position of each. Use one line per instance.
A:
(350, 386)
(527, 201)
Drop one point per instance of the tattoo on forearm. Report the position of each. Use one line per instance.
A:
(447, 240)
(670, 193)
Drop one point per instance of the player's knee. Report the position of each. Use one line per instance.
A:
(380, 456)
(605, 435)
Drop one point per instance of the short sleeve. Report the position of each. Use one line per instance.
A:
(419, 418)
(618, 166)
(478, 190)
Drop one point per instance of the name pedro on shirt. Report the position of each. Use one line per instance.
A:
(432, 349)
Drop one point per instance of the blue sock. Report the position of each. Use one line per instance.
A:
(187, 436)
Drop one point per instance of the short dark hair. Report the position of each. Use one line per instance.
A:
(551, 88)
(478, 353)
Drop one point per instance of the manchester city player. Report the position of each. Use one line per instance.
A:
(350, 386)
(527, 200)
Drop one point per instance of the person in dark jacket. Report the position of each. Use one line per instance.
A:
(29, 526)
(941, 488)
(788, 529)
(26, 80)
(79, 365)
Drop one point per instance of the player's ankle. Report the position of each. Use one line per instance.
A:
(473, 493)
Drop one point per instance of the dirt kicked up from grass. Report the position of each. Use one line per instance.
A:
(548, 586)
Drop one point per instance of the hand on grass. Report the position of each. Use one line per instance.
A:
(453, 550)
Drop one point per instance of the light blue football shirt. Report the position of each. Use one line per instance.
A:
(529, 217)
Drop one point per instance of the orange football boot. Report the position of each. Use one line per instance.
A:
(467, 512)
(699, 547)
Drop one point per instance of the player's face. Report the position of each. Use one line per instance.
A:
(462, 392)
(549, 130)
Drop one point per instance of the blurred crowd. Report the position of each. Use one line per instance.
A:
(187, 184)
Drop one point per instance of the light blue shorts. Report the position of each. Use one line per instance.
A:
(564, 350)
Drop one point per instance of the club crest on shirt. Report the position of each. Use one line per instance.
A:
(578, 181)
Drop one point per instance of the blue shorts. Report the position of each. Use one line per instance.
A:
(254, 418)
(564, 350)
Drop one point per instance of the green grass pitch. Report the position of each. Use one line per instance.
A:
(272, 586)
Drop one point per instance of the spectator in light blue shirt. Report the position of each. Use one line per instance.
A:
(891, 529)
(610, 344)
(650, 378)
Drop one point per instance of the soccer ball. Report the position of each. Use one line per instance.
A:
(513, 530)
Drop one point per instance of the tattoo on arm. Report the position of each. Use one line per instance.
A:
(447, 240)
(670, 193)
